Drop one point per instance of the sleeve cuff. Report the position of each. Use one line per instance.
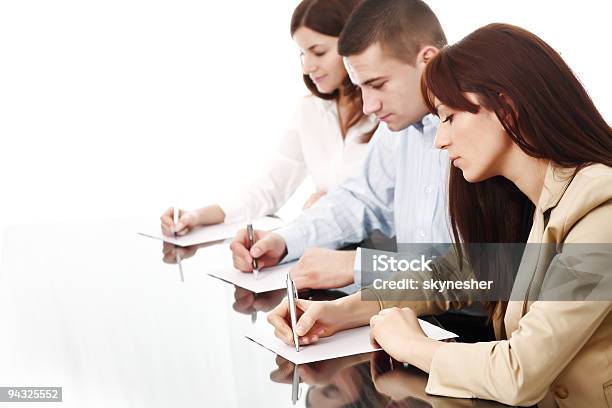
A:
(449, 365)
(234, 210)
(294, 240)
(357, 268)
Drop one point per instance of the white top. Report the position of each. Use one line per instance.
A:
(313, 146)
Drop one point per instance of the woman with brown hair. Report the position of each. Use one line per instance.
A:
(531, 162)
(329, 133)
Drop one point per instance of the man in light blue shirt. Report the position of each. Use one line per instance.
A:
(401, 190)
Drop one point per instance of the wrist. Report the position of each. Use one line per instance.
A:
(348, 263)
(282, 245)
(421, 352)
(212, 214)
(200, 214)
(354, 312)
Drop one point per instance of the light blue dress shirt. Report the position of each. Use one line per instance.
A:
(401, 191)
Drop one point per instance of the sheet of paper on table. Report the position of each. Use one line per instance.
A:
(344, 343)
(212, 233)
(272, 278)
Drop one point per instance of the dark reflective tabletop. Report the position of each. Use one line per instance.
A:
(103, 313)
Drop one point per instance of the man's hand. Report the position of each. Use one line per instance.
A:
(269, 249)
(322, 268)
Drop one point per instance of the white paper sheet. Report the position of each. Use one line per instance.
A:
(212, 233)
(344, 343)
(272, 278)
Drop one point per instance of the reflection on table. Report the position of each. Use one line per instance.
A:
(93, 308)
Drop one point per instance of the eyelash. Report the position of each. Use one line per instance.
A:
(378, 86)
(317, 54)
(449, 119)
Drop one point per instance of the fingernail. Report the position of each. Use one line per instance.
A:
(256, 252)
(299, 330)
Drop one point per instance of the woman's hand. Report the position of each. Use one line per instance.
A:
(316, 319)
(399, 333)
(186, 222)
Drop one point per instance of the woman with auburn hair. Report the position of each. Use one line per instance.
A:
(329, 133)
(531, 162)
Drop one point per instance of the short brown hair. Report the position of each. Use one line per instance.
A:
(402, 27)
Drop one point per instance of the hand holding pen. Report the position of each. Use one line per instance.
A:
(292, 298)
(268, 248)
(178, 225)
(315, 319)
(251, 237)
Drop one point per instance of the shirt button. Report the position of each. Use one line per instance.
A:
(422, 233)
(561, 392)
(428, 190)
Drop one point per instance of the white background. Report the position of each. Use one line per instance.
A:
(122, 108)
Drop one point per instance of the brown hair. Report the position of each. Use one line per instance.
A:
(542, 107)
(402, 27)
(328, 17)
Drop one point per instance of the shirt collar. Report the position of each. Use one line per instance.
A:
(365, 125)
(426, 123)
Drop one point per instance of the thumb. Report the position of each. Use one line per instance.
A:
(308, 318)
(261, 247)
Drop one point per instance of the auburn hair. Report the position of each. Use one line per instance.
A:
(541, 105)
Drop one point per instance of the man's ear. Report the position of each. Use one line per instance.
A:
(426, 54)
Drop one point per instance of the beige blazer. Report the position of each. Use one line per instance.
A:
(557, 353)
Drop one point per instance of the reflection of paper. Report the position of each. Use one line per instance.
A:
(269, 278)
(344, 343)
(214, 232)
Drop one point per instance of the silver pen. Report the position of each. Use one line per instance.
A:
(175, 214)
(295, 385)
(254, 312)
(251, 236)
(292, 298)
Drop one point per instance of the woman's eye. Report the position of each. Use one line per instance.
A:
(378, 86)
(319, 54)
(448, 119)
